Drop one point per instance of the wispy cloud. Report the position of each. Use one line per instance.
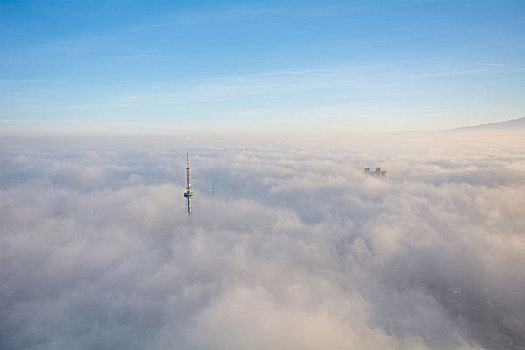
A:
(450, 73)
(489, 64)
(300, 72)
(29, 81)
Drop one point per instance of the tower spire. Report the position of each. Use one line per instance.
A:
(188, 194)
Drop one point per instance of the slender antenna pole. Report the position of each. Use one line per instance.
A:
(188, 194)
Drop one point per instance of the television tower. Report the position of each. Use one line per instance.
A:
(188, 194)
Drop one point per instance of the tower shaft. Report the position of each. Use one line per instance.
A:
(188, 175)
(188, 194)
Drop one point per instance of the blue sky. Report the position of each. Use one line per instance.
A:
(264, 65)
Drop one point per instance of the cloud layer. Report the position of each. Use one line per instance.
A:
(297, 248)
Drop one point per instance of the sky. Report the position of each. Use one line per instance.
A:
(187, 66)
(297, 248)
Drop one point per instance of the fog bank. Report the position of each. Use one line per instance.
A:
(295, 248)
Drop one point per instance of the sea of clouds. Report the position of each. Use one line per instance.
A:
(290, 245)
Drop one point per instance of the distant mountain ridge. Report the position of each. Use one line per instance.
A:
(512, 124)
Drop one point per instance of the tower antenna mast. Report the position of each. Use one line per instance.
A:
(188, 194)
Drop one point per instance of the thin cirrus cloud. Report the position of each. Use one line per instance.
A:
(490, 64)
(294, 248)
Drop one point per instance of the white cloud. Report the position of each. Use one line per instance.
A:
(297, 249)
